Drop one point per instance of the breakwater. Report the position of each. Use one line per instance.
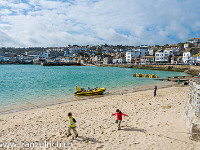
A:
(60, 64)
(193, 70)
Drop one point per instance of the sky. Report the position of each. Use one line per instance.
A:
(51, 23)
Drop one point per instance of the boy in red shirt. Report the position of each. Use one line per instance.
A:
(119, 118)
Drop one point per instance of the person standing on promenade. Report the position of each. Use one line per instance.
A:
(155, 89)
(119, 118)
(72, 125)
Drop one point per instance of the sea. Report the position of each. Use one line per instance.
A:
(25, 87)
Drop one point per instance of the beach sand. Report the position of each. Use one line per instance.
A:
(152, 123)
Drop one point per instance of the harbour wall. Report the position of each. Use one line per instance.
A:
(60, 64)
(194, 70)
(192, 109)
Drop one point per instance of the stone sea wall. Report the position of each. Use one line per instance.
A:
(192, 109)
(194, 70)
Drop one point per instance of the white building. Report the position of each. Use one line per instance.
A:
(131, 54)
(34, 56)
(195, 59)
(119, 60)
(58, 49)
(44, 55)
(186, 45)
(186, 57)
(147, 60)
(2, 58)
(195, 41)
(162, 55)
(20, 57)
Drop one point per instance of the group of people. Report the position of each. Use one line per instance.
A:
(185, 83)
(72, 122)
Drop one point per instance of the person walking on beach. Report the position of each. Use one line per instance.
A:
(119, 118)
(72, 125)
(155, 89)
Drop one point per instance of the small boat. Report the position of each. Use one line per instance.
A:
(145, 75)
(138, 75)
(96, 91)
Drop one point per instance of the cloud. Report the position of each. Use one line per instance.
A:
(131, 22)
(5, 39)
(5, 12)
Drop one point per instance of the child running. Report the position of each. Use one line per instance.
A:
(119, 118)
(72, 125)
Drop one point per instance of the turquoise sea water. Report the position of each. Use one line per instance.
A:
(27, 86)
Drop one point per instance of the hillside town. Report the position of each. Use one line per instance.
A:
(187, 53)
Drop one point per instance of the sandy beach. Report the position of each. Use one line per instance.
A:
(152, 123)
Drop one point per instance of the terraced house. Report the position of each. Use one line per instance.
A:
(163, 56)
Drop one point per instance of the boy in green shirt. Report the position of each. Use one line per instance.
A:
(72, 125)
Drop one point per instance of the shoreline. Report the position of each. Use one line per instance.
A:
(75, 98)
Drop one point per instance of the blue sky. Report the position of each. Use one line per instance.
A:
(29, 23)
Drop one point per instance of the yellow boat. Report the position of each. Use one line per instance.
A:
(96, 91)
(145, 75)
(138, 75)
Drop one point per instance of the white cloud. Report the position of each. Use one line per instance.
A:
(3, 2)
(59, 23)
(5, 12)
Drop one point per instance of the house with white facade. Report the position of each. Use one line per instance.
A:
(98, 59)
(136, 53)
(3, 59)
(147, 60)
(186, 45)
(44, 55)
(186, 57)
(195, 41)
(162, 56)
(119, 60)
(20, 57)
(195, 59)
